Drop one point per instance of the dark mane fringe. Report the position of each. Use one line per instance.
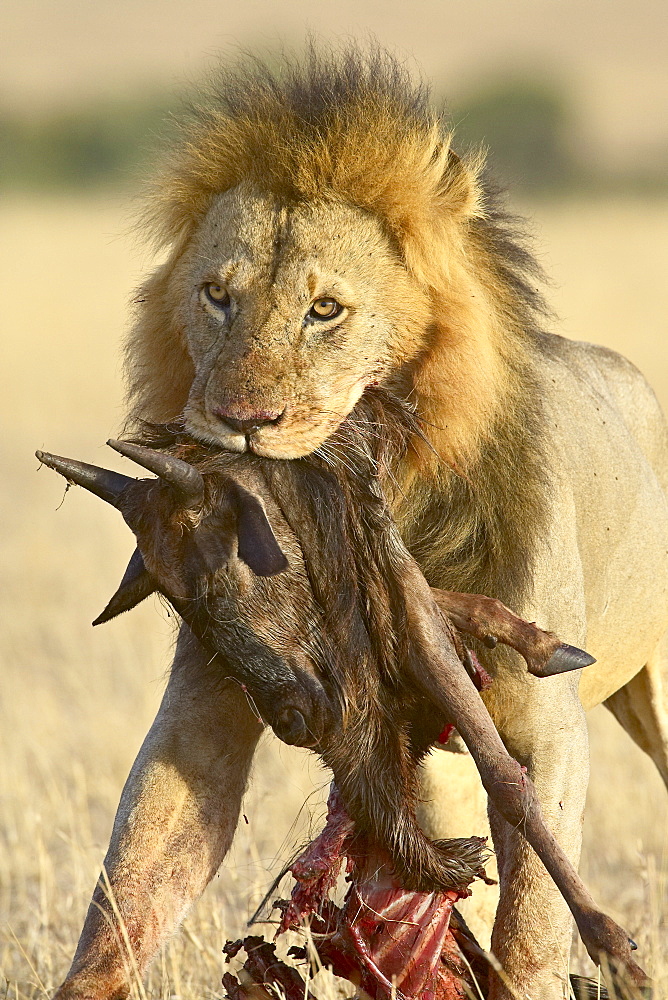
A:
(506, 239)
(320, 83)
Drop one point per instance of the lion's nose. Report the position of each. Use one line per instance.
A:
(247, 423)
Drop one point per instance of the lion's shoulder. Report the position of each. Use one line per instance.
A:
(599, 374)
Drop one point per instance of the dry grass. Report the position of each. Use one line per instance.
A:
(76, 701)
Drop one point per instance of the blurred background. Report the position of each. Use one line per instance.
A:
(571, 99)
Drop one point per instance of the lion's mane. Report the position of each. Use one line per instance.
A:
(354, 126)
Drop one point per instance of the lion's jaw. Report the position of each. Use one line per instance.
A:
(262, 356)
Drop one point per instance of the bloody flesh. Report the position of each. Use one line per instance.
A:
(384, 939)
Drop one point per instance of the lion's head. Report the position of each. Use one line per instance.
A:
(322, 236)
(288, 312)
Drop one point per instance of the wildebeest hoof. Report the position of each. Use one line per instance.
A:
(566, 658)
(608, 944)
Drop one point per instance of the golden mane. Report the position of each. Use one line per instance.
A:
(354, 126)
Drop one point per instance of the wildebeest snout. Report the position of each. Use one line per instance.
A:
(287, 695)
(305, 718)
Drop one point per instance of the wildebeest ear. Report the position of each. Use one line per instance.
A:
(257, 544)
(136, 585)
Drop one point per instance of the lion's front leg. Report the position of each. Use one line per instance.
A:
(175, 822)
(533, 928)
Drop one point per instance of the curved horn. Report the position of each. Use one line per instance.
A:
(105, 484)
(185, 479)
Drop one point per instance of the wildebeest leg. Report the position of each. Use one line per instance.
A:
(439, 674)
(532, 931)
(490, 621)
(641, 707)
(513, 796)
(175, 822)
(533, 925)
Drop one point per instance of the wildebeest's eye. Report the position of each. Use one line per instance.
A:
(325, 309)
(217, 295)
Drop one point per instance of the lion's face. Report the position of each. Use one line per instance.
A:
(289, 312)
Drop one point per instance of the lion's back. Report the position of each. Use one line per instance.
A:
(608, 374)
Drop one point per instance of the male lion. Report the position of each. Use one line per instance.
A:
(323, 237)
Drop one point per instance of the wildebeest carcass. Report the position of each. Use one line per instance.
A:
(295, 578)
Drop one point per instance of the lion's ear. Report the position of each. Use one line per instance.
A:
(460, 188)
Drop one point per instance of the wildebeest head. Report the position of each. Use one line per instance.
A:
(206, 542)
(294, 576)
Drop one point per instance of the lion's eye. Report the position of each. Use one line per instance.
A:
(325, 309)
(217, 294)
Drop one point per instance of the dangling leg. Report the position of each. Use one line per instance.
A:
(533, 927)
